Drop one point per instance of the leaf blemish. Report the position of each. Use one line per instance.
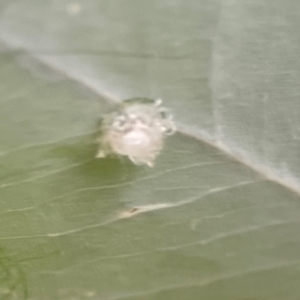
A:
(142, 209)
(129, 213)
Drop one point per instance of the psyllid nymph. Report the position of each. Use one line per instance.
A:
(137, 129)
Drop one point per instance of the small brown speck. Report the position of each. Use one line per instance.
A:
(129, 213)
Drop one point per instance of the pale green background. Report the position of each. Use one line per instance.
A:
(220, 211)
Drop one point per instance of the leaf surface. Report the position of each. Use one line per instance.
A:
(217, 217)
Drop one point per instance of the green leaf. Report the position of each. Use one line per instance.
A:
(218, 215)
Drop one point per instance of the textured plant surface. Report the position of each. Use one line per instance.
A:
(218, 215)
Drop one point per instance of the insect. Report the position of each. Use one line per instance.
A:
(137, 129)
